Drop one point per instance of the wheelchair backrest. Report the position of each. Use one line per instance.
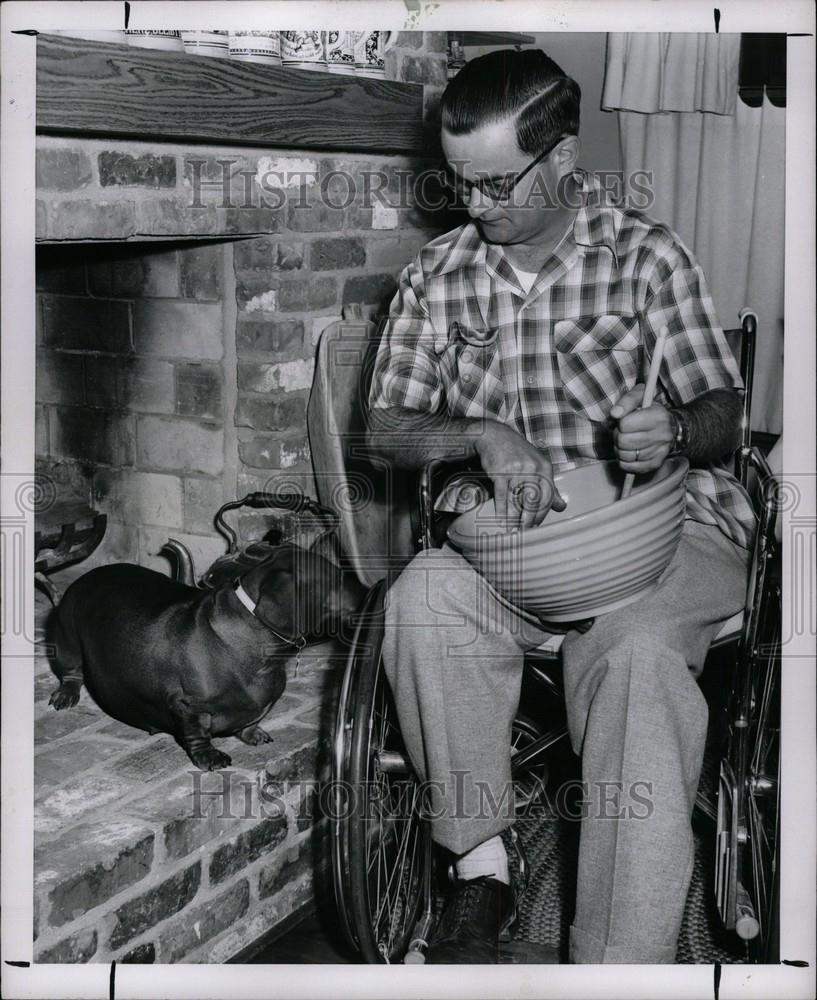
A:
(373, 501)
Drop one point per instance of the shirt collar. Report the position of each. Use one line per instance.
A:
(465, 249)
(593, 226)
(595, 222)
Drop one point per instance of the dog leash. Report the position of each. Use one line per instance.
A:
(248, 603)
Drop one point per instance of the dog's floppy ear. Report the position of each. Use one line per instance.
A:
(272, 585)
(327, 545)
(296, 590)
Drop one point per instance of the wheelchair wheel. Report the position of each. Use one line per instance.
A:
(747, 875)
(382, 843)
(530, 781)
(762, 809)
(383, 864)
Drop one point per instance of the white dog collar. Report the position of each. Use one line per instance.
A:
(248, 603)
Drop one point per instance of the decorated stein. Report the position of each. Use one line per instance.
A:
(340, 51)
(256, 46)
(370, 52)
(168, 41)
(206, 43)
(303, 49)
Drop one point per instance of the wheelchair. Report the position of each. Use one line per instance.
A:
(385, 872)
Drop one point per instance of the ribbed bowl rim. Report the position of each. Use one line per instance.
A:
(663, 489)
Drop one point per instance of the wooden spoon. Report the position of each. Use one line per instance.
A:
(649, 392)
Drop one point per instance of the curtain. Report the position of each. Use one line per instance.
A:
(651, 72)
(718, 181)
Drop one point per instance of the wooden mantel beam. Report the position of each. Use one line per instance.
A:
(109, 90)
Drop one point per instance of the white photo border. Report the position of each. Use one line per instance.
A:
(799, 846)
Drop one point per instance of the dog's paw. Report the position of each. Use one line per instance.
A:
(211, 759)
(66, 696)
(254, 736)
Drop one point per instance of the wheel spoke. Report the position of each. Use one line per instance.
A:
(762, 796)
(392, 856)
(405, 884)
(394, 834)
(396, 870)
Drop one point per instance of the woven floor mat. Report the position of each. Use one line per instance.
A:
(546, 910)
(551, 844)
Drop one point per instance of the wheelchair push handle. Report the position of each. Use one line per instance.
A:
(295, 502)
(287, 501)
(748, 320)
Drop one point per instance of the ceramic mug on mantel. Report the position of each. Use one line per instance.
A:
(340, 51)
(303, 49)
(370, 52)
(167, 41)
(206, 43)
(256, 46)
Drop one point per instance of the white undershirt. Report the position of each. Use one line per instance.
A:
(525, 278)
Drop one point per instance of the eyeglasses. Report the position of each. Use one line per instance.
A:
(498, 189)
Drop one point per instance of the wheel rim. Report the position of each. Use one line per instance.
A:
(340, 772)
(399, 844)
(749, 794)
(763, 804)
(384, 843)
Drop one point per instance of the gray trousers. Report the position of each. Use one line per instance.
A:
(453, 653)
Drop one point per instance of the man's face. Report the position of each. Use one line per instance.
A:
(492, 151)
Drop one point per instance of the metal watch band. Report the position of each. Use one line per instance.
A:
(681, 433)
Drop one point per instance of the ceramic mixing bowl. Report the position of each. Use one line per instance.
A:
(597, 555)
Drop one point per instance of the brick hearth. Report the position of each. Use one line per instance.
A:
(141, 858)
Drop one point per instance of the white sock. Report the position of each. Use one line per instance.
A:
(487, 858)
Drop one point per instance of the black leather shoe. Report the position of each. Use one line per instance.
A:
(468, 932)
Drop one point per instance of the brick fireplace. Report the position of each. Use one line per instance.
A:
(174, 367)
(182, 288)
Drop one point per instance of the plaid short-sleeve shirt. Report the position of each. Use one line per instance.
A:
(463, 335)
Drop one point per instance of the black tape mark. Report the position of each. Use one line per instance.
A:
(717, 979)
(717, 20)
(25, 31)
(112, 983)
(127, 14)
(19, 965)
(796, 962)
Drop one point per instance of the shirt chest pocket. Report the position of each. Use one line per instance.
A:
(598, 359)
(471, 370)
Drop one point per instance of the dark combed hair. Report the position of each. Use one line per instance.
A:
(527, 85)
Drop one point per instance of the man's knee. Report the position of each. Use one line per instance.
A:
(639, 662)
(652, 657)
(436, 581)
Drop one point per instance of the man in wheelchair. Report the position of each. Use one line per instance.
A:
(519, 340)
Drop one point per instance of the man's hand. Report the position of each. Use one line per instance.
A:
(643, 438)
(521, 474)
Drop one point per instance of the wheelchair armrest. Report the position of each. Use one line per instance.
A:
(758, 461)
(430, 484)
(769, 499)
(768, 487)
